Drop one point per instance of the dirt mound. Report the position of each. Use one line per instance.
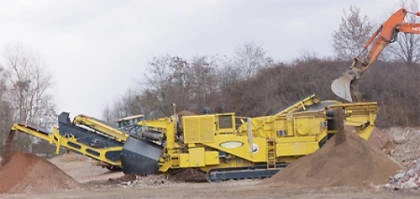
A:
(345, 160)
(187, 175)
(29, 173)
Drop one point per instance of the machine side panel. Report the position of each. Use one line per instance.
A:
(199, 129)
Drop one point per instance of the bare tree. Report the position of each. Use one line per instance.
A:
(28, 83)
(188, 84)
(353, 31)
(172, 80)
(203, 81)
(128, 104)
(168, 84)
(249, 58)
(407, 47)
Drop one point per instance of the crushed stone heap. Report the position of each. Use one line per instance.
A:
(408, 178)
(345, 160)
(25, 172)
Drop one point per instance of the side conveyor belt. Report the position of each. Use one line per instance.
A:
(86, 137)
(101, 127)
(108, 155)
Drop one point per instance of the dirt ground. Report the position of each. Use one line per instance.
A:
(97, 182)
(231, 189)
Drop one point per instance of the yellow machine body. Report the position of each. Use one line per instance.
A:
(228, 141)
(224, 145)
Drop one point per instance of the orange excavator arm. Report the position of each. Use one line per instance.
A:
(347, 86)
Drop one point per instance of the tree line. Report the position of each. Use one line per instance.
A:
(199, 84)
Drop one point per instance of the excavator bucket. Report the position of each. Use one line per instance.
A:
(341, 85)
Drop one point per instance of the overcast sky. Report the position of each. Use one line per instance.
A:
(98, 49)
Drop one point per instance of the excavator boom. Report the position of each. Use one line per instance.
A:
(347, 86)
